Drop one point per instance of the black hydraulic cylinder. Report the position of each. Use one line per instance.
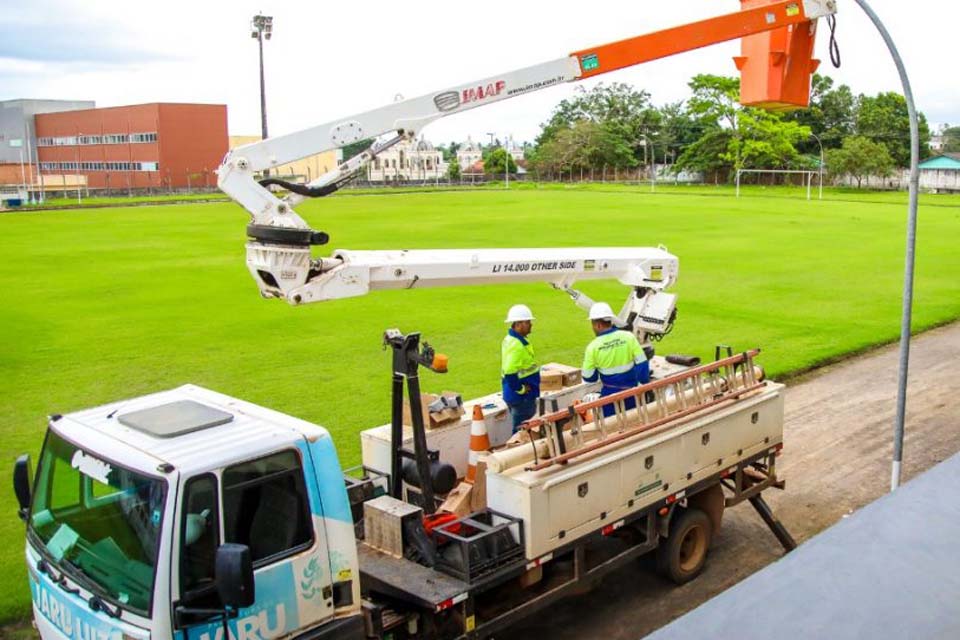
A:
(396, 437)
(420, 440)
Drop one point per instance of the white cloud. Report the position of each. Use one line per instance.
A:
(328, 60)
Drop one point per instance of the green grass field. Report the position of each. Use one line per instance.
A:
(104, 304)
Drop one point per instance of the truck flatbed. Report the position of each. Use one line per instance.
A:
(414, 583)
(405, 580)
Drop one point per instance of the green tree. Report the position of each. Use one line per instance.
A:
(736, 137)
(453, 169)
(951, 140)
(715, 100)
(624, 111)
(678, 130)
(584, 145)
(715, 107)
(831, 115)
(883, 118)
(497, 160)
(860, 157)
(765, 141)
(708, 154)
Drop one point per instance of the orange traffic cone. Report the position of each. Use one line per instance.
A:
(479, 442)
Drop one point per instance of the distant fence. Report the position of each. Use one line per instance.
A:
(936, 180)
(664, 175)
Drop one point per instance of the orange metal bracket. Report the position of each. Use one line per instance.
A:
(780, 79)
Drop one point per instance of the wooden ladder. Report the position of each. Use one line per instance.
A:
(668, 400)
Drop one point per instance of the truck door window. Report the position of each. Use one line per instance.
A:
(199, 534)
(265, 507)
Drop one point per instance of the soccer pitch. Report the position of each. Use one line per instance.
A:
(105, 304)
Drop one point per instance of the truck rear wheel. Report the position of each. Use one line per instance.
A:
(682, 556)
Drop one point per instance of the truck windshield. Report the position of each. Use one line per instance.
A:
(99, 519)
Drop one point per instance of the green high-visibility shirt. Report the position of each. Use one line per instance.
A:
(518, 368)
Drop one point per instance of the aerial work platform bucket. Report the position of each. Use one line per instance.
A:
(776, 66)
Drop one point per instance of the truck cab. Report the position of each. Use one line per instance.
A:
(133, 503)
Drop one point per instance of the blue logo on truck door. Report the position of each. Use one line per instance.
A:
(274, 613)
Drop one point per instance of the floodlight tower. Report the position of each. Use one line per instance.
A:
(261, 27)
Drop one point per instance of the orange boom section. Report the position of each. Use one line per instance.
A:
(775, 66)
(777, 50)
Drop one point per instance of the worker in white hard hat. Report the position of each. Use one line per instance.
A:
(519, 371)
(615, 357)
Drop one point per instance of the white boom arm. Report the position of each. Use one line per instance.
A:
(648, 271)
(406, 118)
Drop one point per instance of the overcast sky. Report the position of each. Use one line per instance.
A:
(331, 59)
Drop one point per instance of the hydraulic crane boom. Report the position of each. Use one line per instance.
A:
(407, 118)
(777, 57)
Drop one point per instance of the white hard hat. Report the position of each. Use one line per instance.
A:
(519, 313)
(601, 311)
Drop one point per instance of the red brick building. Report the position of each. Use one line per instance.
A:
(158, 145)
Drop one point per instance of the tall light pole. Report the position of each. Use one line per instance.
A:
(819, 142)
(506, 161)
(653, 165)
(77, 173)
(261, 27)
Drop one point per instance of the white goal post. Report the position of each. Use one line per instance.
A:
(808, 181)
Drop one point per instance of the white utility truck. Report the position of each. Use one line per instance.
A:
(172, 514)
(188, 514)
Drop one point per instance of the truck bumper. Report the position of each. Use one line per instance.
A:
(350, 628)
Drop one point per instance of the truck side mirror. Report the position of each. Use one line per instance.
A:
(234, 575)
(21, 485)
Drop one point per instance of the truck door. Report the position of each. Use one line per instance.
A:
(266, 504)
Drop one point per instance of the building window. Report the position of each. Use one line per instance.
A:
(107, 138)
(265, 506)
(143, 137)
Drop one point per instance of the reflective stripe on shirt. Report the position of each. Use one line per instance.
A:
(615, 355)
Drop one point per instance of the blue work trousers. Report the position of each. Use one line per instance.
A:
(522, 411)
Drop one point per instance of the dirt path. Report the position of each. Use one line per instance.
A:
(838, 434)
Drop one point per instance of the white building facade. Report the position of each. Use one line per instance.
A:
(468, 154)
(408, 161)
(515, 150)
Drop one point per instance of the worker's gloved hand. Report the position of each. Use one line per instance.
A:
(590, 397)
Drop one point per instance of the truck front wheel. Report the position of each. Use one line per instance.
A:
(681, 557)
